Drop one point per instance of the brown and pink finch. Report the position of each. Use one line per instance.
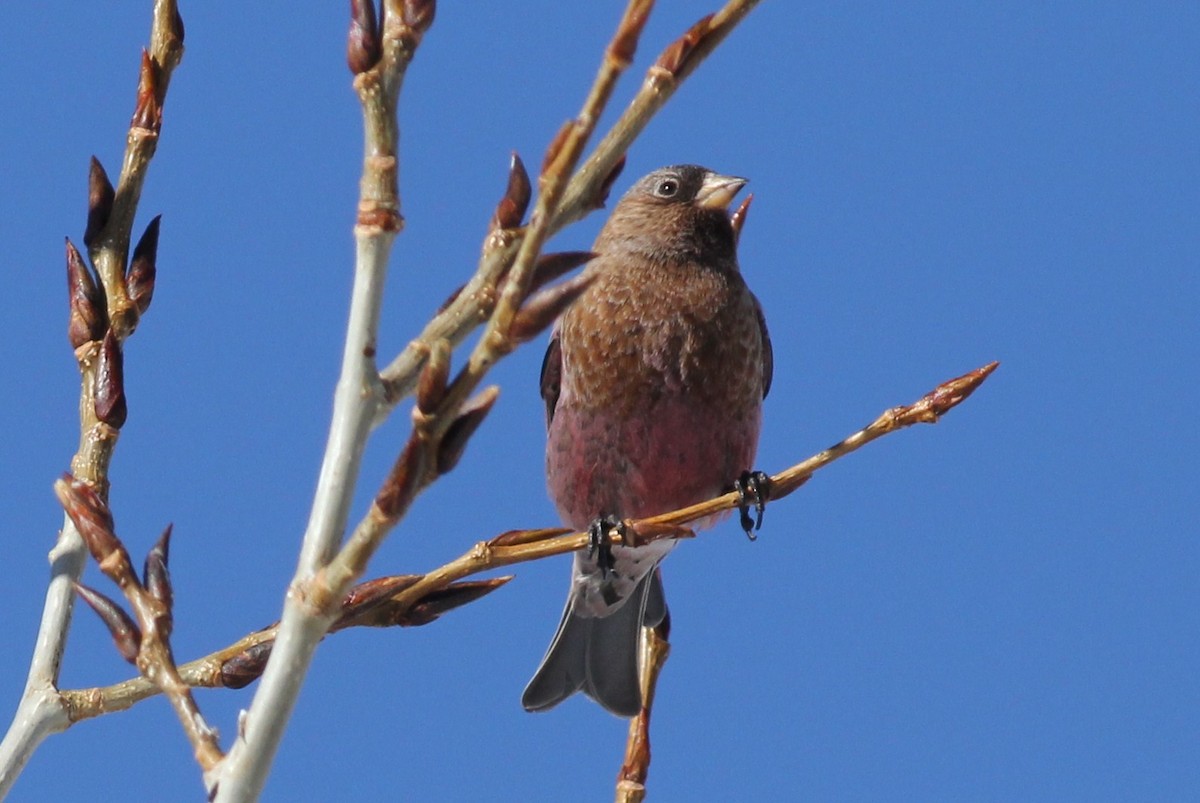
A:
(653, 383)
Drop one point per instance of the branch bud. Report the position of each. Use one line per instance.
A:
(512, 207)
(418, 14)
(624, 43)
(247, 666)
(403, 480)
(147, 113)
(368, 595)
(472, 414)
(544, 308)
(92, 518)
(125, 633)
(86, 320)
(431, 385)
(674, 58)
(109, 391)
(100, 201)
(362, 44)
(143, 267)
(155, 575)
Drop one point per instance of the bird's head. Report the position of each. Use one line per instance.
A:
(673, 214)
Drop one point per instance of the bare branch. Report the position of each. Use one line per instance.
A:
(401, 600)
(95, 309)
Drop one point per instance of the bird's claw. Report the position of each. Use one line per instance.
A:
(600, 545)
(753, 488)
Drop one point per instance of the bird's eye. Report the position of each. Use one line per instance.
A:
(667, 188)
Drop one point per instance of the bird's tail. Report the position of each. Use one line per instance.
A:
(598, 655)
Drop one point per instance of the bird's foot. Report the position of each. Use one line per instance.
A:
(753, 488)
(600, 545)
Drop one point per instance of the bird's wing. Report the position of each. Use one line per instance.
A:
(551, 381)
(768, 356)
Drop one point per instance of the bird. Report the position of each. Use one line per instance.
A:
(653, 383)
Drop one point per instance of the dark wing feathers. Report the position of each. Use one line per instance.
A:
(551, 380)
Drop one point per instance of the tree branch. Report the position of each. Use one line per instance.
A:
(234, 665)
(102, 315)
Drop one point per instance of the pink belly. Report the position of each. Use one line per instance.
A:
(676, 452)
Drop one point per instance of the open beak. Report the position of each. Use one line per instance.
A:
(717, 191)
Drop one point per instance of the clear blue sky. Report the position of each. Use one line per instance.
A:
(1005, 606)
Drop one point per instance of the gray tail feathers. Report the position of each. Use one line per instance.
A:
(598, 655)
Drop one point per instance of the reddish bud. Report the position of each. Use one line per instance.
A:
(109, 391)
(86, 319)
(92, 518)
(624, 44)
(362, 44)
(544, 308)
(674, 58)
(125, 632)
(143, 267)
(366, 597)
(444, 600)
(472, 414)
(247, 666)
(418, 14)
(951, 393)
(100, 201)
(738, 218)
(519, 537)
(512, 207)
(155, 575)
(431, 385)
(401, 484)
(147, 113)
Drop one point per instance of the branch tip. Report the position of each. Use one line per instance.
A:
(100, 202)
(512, 207)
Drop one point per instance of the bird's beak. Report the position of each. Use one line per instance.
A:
(717, 191)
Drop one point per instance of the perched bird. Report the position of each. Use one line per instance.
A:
(653, 383)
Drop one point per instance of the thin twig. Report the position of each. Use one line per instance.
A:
(655, 649)
(356, 399)
(145, 642)
(110, 221)
(584, 193)
(521, 546)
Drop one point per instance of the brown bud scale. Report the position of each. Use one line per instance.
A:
(100, 201)
(110, 383)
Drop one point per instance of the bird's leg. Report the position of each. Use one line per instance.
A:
(599, 544)
(753, 488)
